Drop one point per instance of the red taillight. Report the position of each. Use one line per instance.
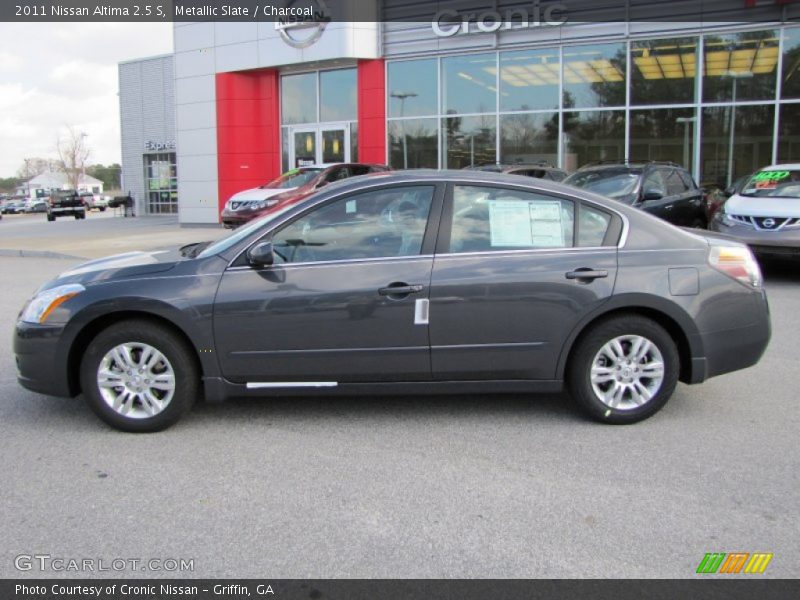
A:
(736, 262)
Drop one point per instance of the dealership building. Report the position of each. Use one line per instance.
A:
(237, 103)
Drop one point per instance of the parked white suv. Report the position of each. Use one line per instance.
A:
(765, 212)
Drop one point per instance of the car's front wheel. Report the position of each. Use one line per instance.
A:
(624, 370)
(139, 376)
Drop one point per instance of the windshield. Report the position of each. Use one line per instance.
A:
(294, 178)
(773, 183)
(612, 183)
(238, 235)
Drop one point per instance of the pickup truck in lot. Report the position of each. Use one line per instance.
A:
(65, 203)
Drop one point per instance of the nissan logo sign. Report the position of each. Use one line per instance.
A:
(303, 27)
(768, 223)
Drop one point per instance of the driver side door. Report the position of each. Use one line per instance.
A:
(345, 300)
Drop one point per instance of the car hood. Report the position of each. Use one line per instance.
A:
(257, 194)
(751, 206)
(119, 266)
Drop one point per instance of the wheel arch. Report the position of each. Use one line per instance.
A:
(92, 328)
(672, 318)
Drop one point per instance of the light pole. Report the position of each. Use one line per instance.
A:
(736, 75)
(84, 135)
(402, 97)
(685, 121)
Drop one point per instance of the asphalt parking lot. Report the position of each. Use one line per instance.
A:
(473, 487)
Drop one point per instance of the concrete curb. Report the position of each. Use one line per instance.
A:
(38, 254)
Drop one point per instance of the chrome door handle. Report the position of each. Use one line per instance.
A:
(400, 289)
(586, 274)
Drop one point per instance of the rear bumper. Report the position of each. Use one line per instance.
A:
(39, 366)
(734, 349)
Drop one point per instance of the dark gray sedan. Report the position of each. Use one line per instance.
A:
(411, 282)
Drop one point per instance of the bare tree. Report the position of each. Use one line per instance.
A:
(73, 154)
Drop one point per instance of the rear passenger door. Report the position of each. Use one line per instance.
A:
(506, 289)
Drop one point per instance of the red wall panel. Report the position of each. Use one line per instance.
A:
(371, 111)
(248, 130)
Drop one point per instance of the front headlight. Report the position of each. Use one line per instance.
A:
(44, 303)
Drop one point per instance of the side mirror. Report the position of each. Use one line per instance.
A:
(261, 255)
(653, 194)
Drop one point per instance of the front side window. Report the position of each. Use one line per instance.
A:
(497, 219)
(377, 224)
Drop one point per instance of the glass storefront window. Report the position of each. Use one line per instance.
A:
(411, 88)
(161, 181)
(665, 134)
(529, 79)
(791, 63)
(469, 141)
(594, 75)
(337, 95)
(354, 141)
(789, 134)
(528, 138)
(663, 71)
(299, 98)
(736, 142)
(469, 84)
(413, 144)
(593, 135)
(740, 66)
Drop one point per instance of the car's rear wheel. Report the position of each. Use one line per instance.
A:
(624, 370)
(51, 218)
(139, 376)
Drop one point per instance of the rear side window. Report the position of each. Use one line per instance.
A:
(592, 226)
(675, 184)
(687, 179)
(496, 219)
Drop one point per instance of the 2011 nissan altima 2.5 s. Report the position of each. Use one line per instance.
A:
(412, 282)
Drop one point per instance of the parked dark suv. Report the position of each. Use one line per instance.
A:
(663, 189)
(409, 282)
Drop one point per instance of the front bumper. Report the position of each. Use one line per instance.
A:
(40, 366)
(784, 241)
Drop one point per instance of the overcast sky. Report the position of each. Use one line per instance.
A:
(55, 74)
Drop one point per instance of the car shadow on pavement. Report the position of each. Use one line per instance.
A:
(385, 409)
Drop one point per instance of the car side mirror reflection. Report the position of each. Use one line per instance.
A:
(261, 255)
(653, 194)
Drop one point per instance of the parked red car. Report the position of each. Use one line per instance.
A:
(287, 189)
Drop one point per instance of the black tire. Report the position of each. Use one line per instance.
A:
(177, 352)
(102, 209)
(588, 349)
(77, 216)
(51, 218)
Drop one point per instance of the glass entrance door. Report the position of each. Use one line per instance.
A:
(304, 151)
(318, 145)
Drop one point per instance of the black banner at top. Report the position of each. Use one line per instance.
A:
(488, 13)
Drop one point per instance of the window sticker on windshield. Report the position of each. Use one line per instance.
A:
(291, 172)
(350, 207)
(534, 224)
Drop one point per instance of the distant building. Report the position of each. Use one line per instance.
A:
(44, 183)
